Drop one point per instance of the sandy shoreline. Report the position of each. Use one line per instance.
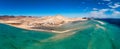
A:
(47, 24)
(53, 31)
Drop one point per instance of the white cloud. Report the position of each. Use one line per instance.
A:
(106, 0)
(102, 13)
(116, 5)
(99, 13)
(86, 9)
(105, 13)
(104, 10)
(109, 3)
(116, 13)
(100, 3)
(95, 9)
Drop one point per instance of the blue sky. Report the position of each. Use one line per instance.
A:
(69, 8)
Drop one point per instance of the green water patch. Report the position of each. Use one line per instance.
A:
(90, 35)
(16, 38)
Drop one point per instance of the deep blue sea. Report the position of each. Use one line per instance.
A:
(92, 34)
(112, 21)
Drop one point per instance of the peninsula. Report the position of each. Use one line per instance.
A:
(47, 23)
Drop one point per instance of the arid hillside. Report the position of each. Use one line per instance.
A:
(47, 22)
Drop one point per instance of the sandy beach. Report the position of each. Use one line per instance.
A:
(47, 24)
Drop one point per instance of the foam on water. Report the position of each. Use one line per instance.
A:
(102, 23)
(100, 26)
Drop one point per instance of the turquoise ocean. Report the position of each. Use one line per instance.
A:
(92, 34)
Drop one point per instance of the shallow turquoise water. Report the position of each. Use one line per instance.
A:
(90, 35)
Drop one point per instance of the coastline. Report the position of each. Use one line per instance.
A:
(53, 31)
(46, 24)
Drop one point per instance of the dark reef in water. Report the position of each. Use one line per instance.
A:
(115, 21)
